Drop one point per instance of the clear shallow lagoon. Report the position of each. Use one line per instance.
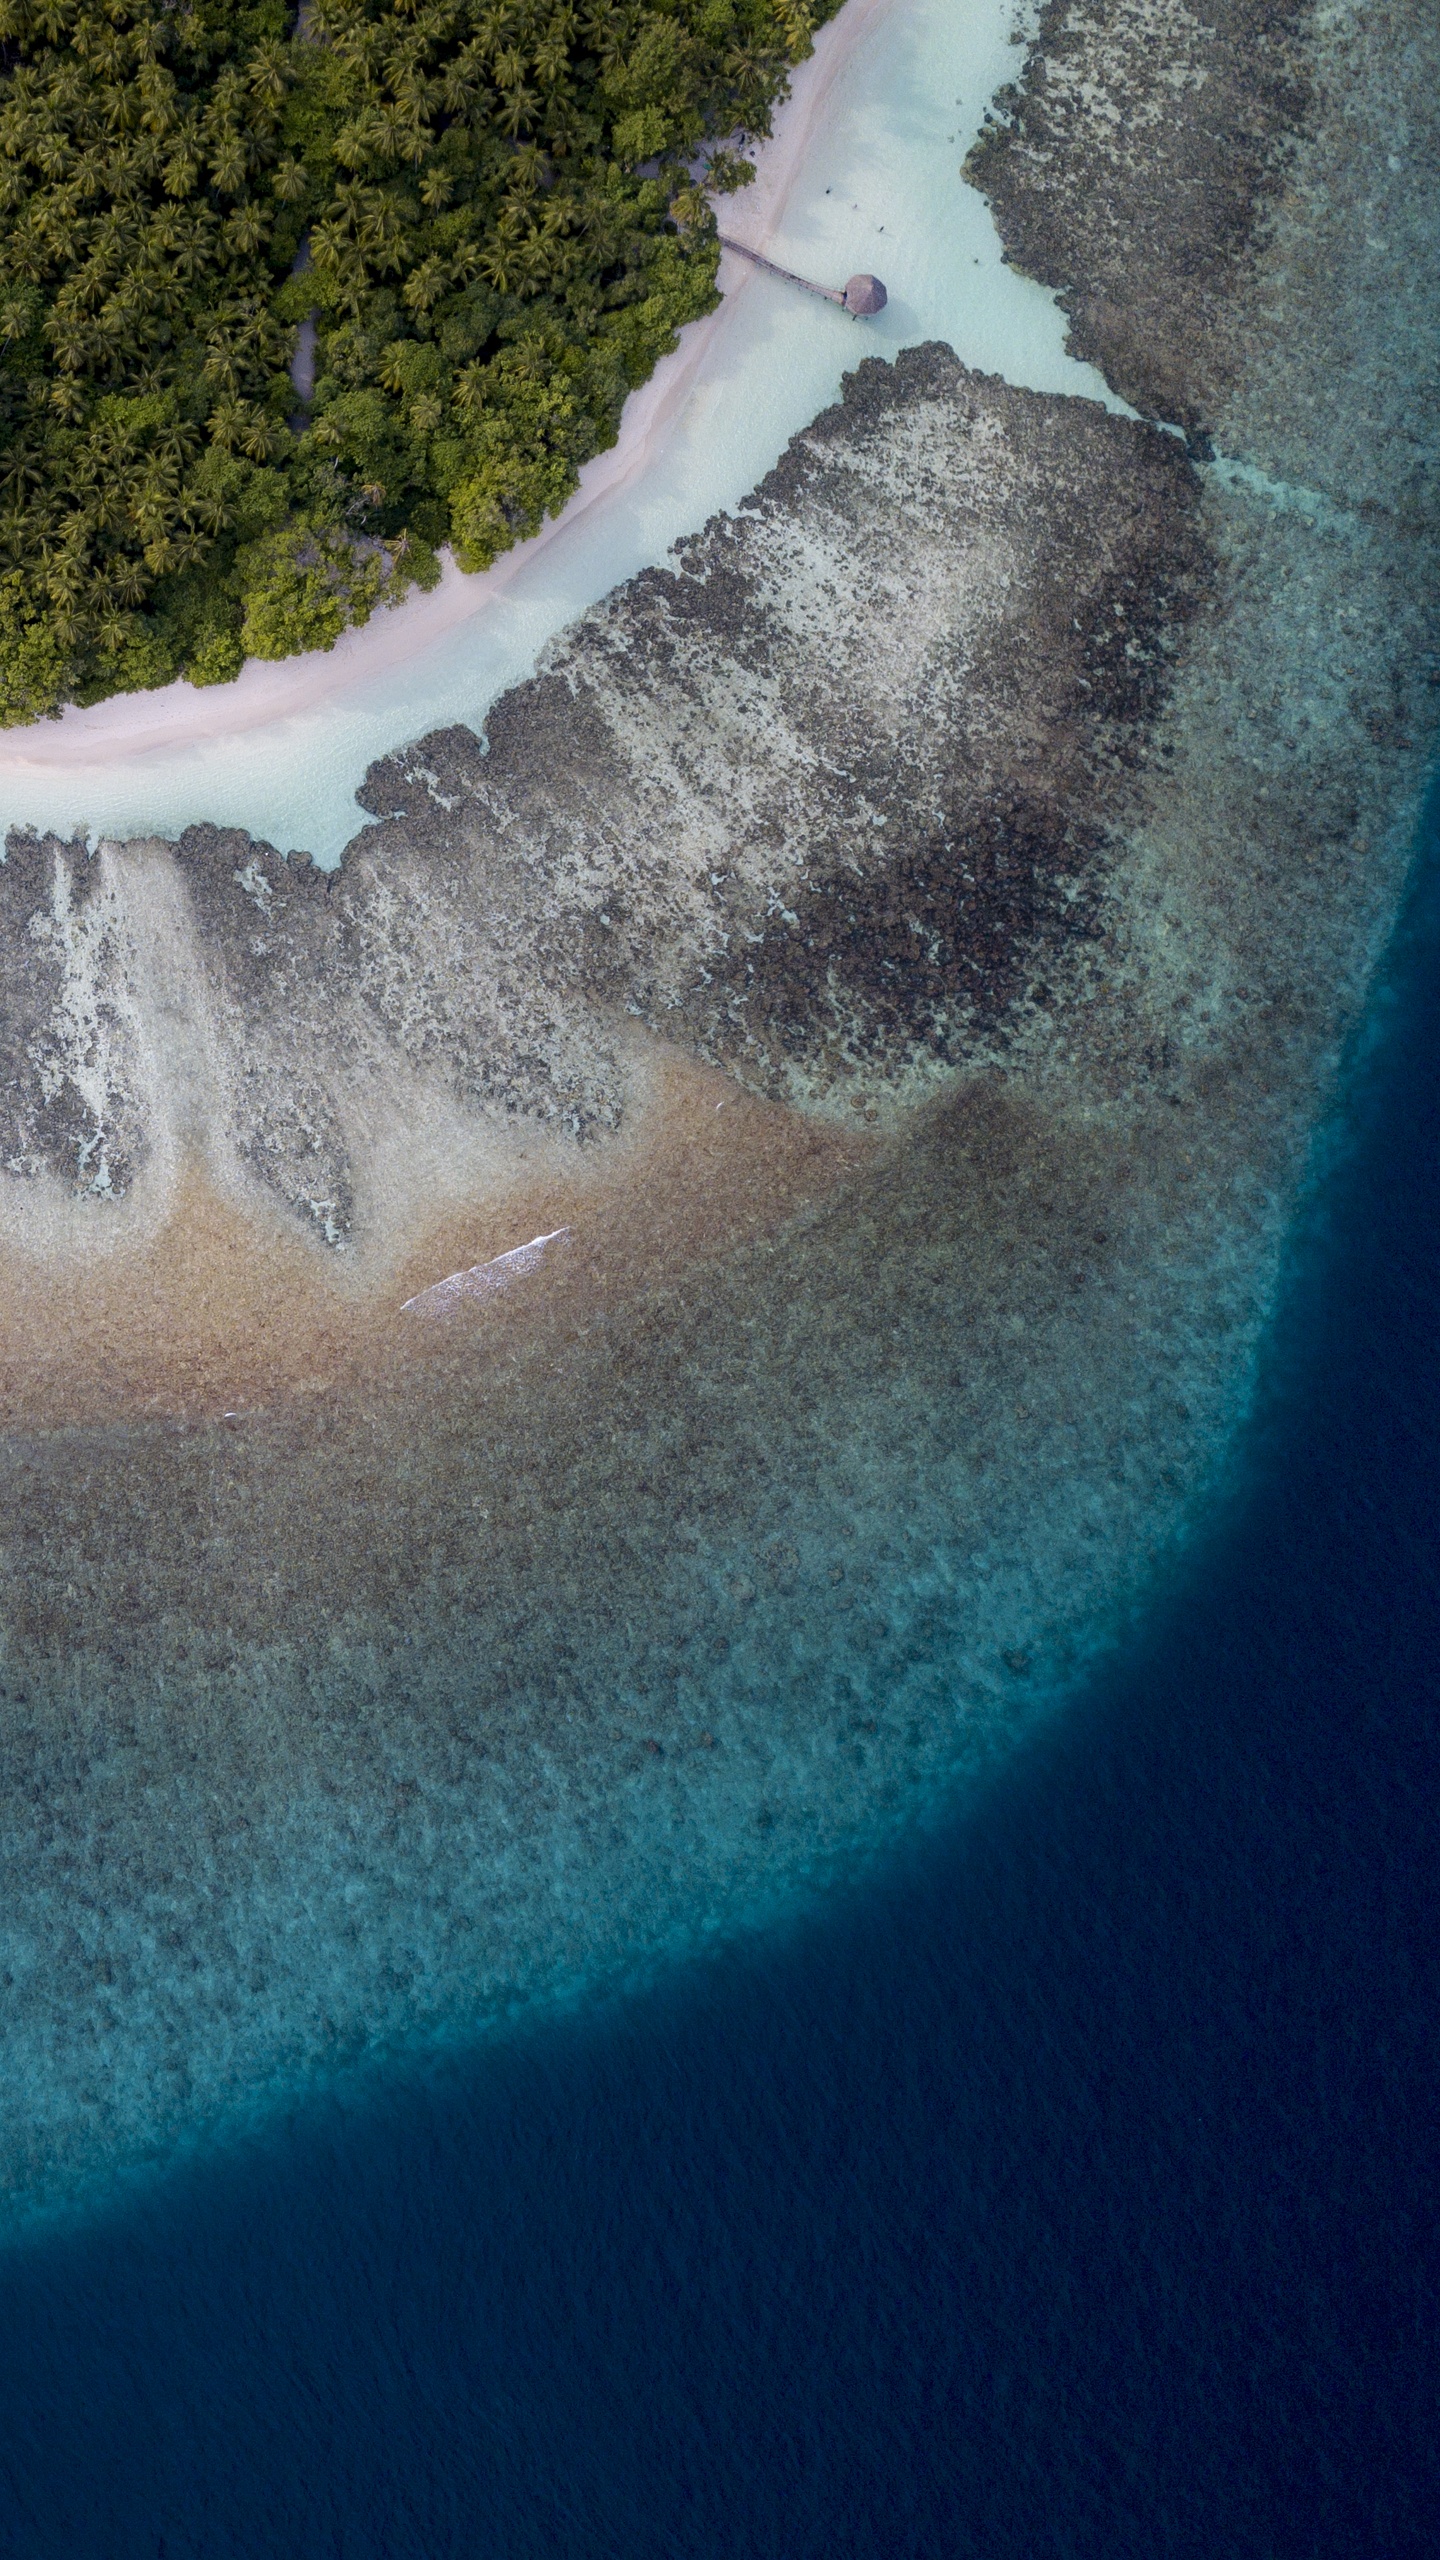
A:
(876, 185)
(1067, 2190)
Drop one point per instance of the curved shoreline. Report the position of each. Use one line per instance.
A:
(182, 714)
(872, 113)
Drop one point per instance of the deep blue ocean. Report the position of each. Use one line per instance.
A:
(1069, 2189)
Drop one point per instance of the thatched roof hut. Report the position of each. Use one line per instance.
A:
(864, 296)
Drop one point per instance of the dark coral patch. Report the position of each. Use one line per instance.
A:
(1134, 176)
(928, 954)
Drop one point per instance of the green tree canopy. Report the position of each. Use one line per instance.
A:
(484, 210)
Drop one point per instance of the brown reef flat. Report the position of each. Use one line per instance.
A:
(211, 1311)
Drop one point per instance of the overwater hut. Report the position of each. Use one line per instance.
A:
(862, 297)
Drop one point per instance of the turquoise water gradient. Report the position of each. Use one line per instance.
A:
(343, 1729)
(1064, 2192)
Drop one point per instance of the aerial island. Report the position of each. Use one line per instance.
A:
(285, 306)
(895, 953)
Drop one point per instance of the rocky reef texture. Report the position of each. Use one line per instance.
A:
(68, 1054)
(1006, 787)
(821, 797)
(821, 800)
(1133, 167)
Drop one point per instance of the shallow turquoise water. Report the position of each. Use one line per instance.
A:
(1064, 2187)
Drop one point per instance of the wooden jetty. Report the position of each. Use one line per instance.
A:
(862, 297)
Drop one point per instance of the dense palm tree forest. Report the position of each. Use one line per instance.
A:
(486, 209)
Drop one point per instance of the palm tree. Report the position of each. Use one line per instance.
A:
(247, 229)
(270, 72)
(228, 157)
(424, 285)
(498, 262)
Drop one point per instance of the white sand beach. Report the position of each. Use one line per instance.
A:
(861, 172)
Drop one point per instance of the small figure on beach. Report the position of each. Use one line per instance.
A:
(862, 297)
